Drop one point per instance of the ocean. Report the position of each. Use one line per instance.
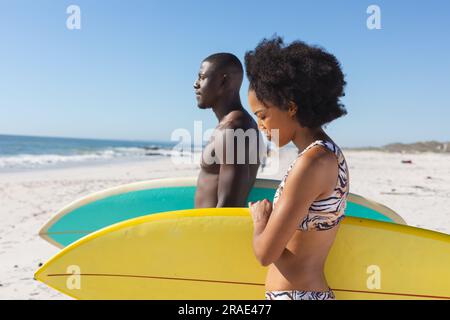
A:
(27, 152)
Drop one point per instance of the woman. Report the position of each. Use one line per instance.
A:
(296, 89)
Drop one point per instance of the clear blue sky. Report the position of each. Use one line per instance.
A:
(128, 73)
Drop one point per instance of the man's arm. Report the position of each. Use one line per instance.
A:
(234, 180)
(234, 174)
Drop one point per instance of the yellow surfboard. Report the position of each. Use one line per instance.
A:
(207, 254)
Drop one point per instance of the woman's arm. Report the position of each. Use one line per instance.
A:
(273, 230)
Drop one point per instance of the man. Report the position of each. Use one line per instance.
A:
(225, 180)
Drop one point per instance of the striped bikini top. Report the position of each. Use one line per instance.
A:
(324, 214)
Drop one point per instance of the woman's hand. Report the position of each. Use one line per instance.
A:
(260, 211)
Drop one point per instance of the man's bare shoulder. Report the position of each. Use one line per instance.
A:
(238, 120)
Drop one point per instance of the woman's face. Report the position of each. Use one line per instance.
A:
(272, 119)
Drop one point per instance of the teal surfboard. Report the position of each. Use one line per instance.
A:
(121, 203)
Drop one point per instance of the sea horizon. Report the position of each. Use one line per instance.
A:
(19, 152)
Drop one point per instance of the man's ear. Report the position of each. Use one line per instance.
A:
(224, 79)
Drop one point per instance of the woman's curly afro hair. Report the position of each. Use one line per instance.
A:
(306, 75)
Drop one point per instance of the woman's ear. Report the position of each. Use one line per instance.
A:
(292, 109)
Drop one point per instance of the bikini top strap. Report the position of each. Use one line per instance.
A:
(321, 142)
(324, 143)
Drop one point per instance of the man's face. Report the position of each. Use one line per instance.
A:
(208, 85)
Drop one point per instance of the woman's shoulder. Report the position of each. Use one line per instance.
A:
(318, 158)
(317, 166)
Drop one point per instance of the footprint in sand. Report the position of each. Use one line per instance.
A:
(10, 242)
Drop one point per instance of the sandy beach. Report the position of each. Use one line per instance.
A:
(418, 190)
